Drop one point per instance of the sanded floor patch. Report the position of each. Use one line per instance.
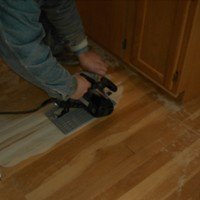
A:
(25, 136)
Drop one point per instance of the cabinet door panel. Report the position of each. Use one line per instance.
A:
(104, 22)
(158, 31)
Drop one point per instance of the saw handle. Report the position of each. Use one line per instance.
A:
(109, 84)
(103, 83)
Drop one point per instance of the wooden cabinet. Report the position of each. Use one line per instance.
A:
(159, 26)
(160, 33)
(152, 36)
(104, 22)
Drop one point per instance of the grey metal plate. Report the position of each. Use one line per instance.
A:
(70, 121)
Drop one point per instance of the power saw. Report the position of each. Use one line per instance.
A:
(96, 101)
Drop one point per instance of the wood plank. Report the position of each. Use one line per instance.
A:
(167, 152)
(7, 192)
(189, 189)
(89, 190)
(169, 177)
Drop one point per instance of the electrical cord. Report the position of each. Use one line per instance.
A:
(46, 102)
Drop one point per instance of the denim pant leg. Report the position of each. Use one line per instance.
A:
(51, 38)
(64, 17)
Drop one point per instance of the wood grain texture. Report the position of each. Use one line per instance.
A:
(104, 22)
(190, 71)
(159, 32)
(149, 149)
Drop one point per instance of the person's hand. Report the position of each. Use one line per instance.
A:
(82, 87)
(92, 62)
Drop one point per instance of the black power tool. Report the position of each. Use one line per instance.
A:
(96, 101)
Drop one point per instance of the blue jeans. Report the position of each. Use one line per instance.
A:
(22, 43)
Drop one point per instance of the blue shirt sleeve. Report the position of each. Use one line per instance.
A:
(22, 47)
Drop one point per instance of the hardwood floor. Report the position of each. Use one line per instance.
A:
(148, 149)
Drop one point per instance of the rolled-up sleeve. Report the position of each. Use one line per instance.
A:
(22, 47)
(64, 16)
